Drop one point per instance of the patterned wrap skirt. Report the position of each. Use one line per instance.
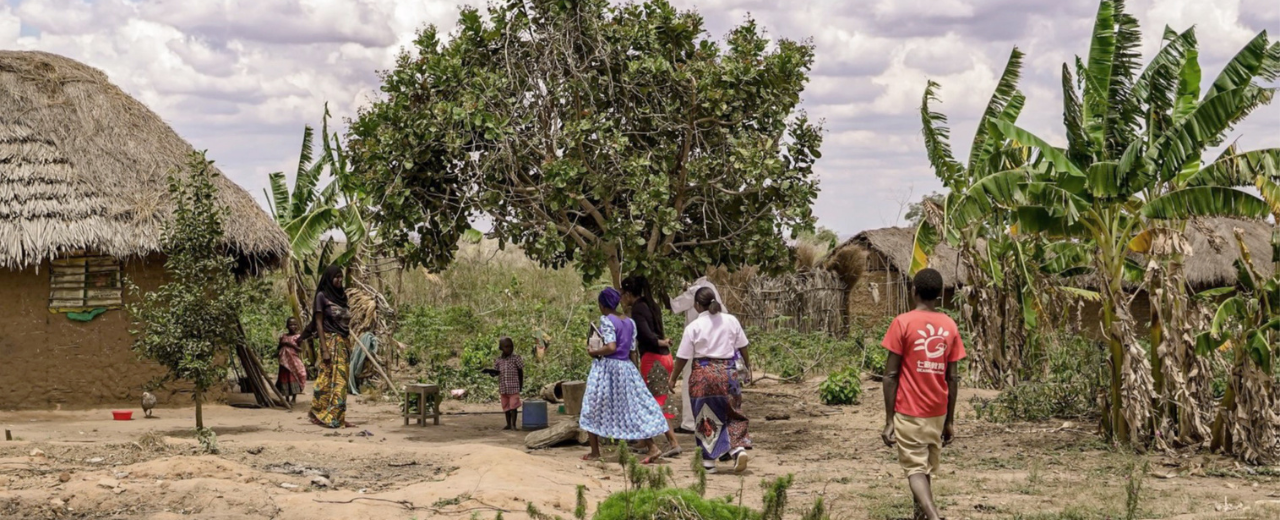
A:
(287, 384)
(719, 425)
(656, 370)
(618, 405)
(329, 397)
(292, 376)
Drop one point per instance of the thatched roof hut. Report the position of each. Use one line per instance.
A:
(83, 166)
(883, 288)
(83, 194)
(893, 246)
(1214, 250)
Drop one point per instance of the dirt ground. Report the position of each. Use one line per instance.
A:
(81, 464)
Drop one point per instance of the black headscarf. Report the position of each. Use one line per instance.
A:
(331, 290)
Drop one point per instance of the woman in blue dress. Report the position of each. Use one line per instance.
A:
(618, 404)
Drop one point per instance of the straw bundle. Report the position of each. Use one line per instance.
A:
(849, 263)
(1211, 262)
(85, 166)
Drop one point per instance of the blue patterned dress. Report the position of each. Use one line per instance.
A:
(618, 404)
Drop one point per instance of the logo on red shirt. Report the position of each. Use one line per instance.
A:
(934, 343)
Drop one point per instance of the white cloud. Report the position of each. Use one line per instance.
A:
(241, 77)
(10, 27)
(894, 9)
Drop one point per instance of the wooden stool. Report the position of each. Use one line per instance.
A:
(428, 398)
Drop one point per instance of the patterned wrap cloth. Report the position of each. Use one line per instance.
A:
(329, 398)
(719, 425)
(618, 405)
(292, 375)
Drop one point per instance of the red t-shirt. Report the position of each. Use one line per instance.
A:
(927, 341)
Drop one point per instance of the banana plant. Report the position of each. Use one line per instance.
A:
(1130, 137)
(980, 237)
(1248, 325)
(309, 211)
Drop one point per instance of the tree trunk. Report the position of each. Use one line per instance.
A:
(1221, 438)
(199, 396)
(1157, 370)
(1113, 416)
(615, 267)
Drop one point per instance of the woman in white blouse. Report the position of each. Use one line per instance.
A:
(710, 344)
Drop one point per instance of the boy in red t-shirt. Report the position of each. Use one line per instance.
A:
(920, 387)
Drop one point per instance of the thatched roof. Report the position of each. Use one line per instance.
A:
(1210, 264)
(894, 245)
(1214, 250)
(84, 166)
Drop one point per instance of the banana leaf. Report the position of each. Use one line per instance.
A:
(1205, 201)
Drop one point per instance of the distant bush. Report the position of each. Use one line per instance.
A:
(1066, 386)
(451, 322)
(263, 317)
(841, 388)
(793, 356)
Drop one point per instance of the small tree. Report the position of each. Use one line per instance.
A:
(190, 324)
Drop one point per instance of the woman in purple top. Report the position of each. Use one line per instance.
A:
(617, 404)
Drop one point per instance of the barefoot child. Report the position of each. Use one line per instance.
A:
(920, 387)
(509, 368)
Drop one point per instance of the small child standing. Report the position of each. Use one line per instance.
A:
(292, 376)
(510, 371)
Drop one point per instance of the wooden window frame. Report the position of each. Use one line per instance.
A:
(84, 272)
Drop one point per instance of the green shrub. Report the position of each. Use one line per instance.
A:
(840, 388)
(869, 337)
(1065, 385)
(793, 356)
(669, 504)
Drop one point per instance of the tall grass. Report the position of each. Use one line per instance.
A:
(451, 321)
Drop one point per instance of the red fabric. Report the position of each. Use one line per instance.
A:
(287, 384)
(510, 402)
(647, 361)
(289, 358)
(927, 341)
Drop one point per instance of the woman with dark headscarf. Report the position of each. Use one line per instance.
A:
(331, 315)
(617, 404)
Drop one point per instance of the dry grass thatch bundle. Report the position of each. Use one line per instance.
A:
(849, 263)
(1211, 262)
(85, 166)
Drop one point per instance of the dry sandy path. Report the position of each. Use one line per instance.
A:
(89, 466)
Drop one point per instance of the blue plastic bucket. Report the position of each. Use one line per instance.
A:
(535, 415)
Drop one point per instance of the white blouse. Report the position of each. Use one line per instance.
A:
(714, 336)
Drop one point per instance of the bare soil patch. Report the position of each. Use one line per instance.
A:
(81, 464)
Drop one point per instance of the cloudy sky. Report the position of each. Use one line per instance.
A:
(242, 77)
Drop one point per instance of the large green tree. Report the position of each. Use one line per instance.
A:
(616, 137)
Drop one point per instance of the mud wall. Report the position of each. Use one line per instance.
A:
(48, 361)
